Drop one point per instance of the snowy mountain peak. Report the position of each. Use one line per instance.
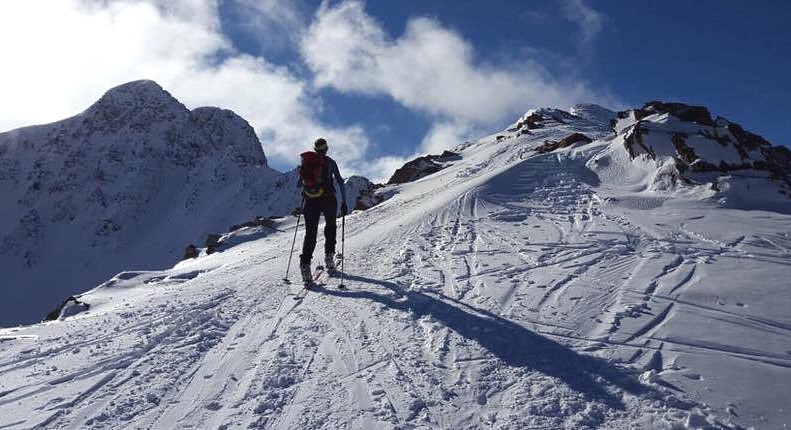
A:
(228, 132)
(137, 93)
(676, 147)
(129, 182)
(583, 115)
(697, 141)
(133, 97)
(540, 118)
(593, 112)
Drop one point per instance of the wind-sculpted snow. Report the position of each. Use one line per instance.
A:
(511, 289)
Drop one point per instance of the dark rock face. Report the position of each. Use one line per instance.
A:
(259, 221)
(421, 167)
(684, 152)
(362, 194)
(746, 139)
(684, 112)
(532, 122)
(212, 243)
(567, 141)
(191, 252)
(634, 140)
(70, 306)
(368, 198)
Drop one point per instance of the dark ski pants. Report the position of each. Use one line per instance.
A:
(313, 210)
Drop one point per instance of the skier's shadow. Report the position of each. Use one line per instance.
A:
(513, 344)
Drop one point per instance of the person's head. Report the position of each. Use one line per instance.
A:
(320, 146)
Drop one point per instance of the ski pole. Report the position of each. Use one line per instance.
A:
(343, 250)
(290, 254)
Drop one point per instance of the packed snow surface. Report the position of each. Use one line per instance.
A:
(510, 290)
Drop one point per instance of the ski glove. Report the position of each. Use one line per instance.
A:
(344, 209)
(297, 211)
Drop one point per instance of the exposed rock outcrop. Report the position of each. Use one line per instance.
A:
(70, 306)
(367, 196)
(696, 148)
(421, 167)
(572, 139)
(259, 221)
(689, 147)
(191, 251)
(684, 112)
(540, 118)
(212, 243)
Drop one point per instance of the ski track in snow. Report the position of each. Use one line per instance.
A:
(515, 297)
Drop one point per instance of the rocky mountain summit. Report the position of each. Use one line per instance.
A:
(126, 183)
(724, 146)
(660, 147)
(671, 147)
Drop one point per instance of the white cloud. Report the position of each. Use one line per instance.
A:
(429, 69)
(60, 56)
(445, 135)
(380, 169)
(274, 101)
(589, 21)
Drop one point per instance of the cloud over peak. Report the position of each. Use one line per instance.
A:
(74, 50)
(68, 52)
(429, 68)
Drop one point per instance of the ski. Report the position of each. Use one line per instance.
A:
(314, 283)
(320, 278)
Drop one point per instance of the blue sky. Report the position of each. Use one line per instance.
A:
(388, 80)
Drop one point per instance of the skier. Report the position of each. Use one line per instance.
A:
(316, 179)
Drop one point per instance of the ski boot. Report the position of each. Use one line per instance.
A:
(329, 262)
(307, 277)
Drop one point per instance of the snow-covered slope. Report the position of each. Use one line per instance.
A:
(128, 183)
(511, 289)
